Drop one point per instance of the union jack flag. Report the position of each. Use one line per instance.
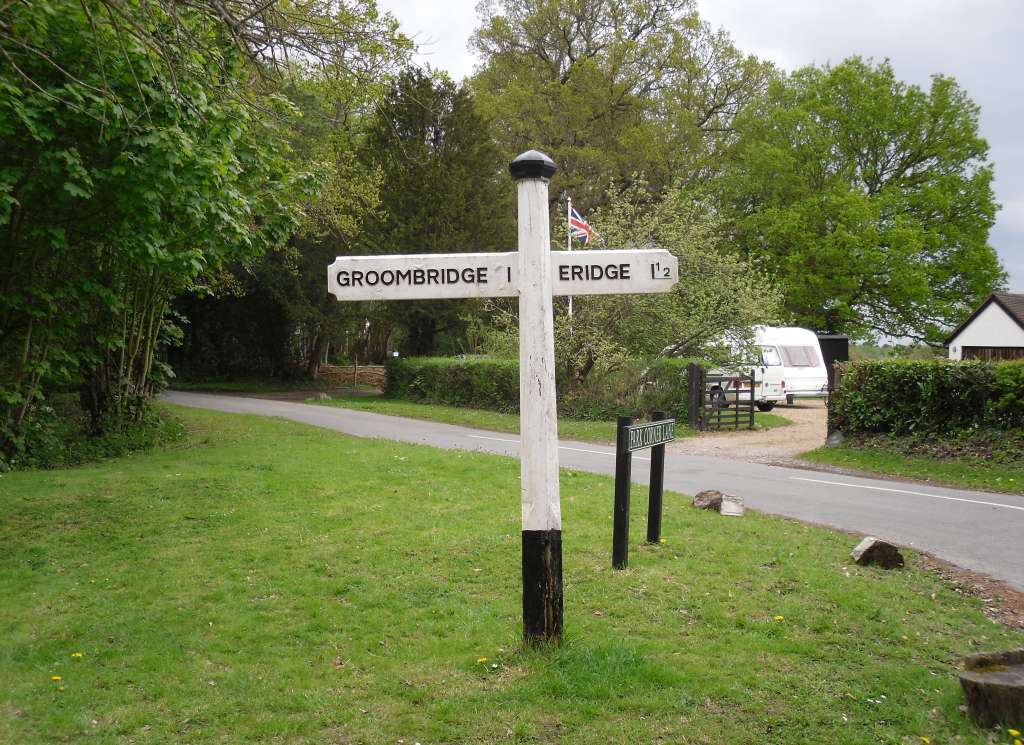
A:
(578, 227)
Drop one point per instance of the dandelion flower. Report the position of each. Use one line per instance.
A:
(481, 660)
(55, 678)
(780, 618)
(1014, 732)
(76, 655)
(925, 740)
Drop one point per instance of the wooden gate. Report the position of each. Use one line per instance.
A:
(719, 401)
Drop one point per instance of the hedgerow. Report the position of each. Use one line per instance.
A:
(632, 389)
(913, 397)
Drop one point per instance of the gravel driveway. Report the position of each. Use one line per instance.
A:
(776, 446)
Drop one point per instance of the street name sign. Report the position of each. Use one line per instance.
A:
(468, 275)
(642, 436)
(630, 438)
(535, 274)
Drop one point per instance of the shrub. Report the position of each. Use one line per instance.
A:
(476, 382)
(633, 389)
(905, 397)
(60, 435)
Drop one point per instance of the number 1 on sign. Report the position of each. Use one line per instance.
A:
(660, 272)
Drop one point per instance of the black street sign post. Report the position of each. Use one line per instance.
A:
(630, 438)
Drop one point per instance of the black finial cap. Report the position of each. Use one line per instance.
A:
(532, 164)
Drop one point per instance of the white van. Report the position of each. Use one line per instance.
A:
(797, 354)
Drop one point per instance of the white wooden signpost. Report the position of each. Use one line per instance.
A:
(535, 274)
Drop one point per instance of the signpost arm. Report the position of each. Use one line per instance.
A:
(657, 487)
(541, 510)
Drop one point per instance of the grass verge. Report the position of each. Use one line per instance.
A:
(255, 385)
(572, 429)
(970, 474)
(268, 581)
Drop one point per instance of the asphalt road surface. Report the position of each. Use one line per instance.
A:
(975, 530)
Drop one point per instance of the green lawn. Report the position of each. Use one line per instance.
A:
(973, 474)
(265, 581)
(573, 429)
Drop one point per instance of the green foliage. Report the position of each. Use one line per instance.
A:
(121, 183)
(718, 294)
(869, 199)
(480, 383)
(444, 189)
(1006, 403)
(610, 89)
(633, 389)
(928, 397)
(55, 436)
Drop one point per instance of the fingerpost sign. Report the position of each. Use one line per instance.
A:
(535, 274)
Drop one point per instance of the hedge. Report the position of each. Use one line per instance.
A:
(927, 396)
(476, 382)
(633, 389)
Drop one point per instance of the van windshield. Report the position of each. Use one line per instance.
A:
(770, 356)
(800, 356)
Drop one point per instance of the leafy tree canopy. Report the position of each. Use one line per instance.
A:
(610, 88)
(869, 199)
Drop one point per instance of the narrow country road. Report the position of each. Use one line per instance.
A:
(980, 531)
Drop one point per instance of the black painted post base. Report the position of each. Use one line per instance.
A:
(542, 586)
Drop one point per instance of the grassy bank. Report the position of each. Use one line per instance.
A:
(573, 429)
(268, 581)
(974, 473)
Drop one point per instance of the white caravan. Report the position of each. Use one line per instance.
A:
(769, 379)
(796, 354)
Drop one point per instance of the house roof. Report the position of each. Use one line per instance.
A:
(1011, 302)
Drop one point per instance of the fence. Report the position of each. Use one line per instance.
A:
(718, 401)
(352, 375)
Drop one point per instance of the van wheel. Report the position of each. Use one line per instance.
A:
(765, 405)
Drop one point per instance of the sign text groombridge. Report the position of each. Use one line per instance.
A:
(535, 274)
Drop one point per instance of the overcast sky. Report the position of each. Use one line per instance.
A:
(978, 42)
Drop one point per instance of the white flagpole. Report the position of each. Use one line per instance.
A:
(568, 241)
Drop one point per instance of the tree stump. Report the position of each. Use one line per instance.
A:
(993, 685)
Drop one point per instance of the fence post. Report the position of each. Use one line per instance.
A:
(695, 403)
(623, 467)
(753, 398)
(654, 496)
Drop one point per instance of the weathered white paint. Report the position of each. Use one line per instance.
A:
(539, 495)
(424, 276)
(993, 327)
(450, 276)
(633, 271)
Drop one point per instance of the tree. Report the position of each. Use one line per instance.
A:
(610, 89)
(718, 294)
(870, 200)
(142, 147)
(444, 189)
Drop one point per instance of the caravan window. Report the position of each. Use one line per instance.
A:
(770, 356)
(800, 356)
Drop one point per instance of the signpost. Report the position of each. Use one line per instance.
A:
(630, 438)
(536, 274)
